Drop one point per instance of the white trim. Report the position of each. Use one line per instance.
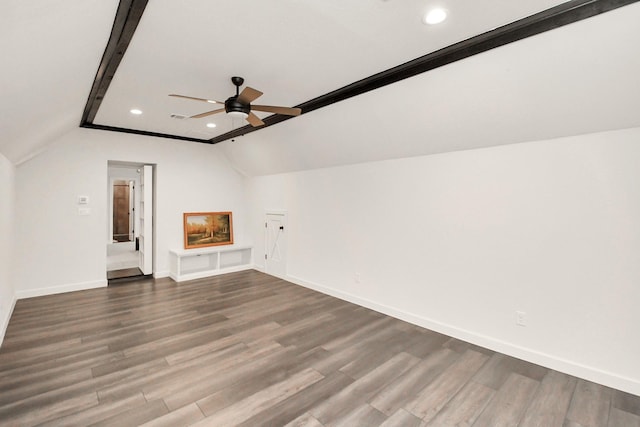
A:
(589, 373)
(161, 274)
(30, 293)
(209, 273)
(209, 250)
(146, 220)
(5, 322)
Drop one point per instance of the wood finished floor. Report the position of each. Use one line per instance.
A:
(252, 350)
(124, 273)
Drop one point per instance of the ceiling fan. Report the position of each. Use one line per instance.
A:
(240, 106)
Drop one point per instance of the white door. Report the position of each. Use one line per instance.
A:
(145, 262)
(132, 208)
(276, 245)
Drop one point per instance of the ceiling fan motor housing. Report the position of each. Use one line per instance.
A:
(234, 105)
(239, 105)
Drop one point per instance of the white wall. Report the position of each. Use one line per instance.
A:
(59, 250)
(459, 242)
(7, 206)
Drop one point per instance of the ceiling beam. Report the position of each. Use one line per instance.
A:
(130, 11)
(124, 26)
(558, 16)
(143, 132)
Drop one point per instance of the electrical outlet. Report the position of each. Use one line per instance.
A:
(357, 278)
(521, 318)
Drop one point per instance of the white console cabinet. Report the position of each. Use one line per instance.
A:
(198, 263)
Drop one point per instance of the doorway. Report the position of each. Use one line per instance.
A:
(275, 258)
(130, 233)
(123, 209)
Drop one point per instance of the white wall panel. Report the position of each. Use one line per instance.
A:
(58, 249)
(461, 241)
(7, 209)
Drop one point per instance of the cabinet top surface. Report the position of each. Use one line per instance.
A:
(209, 250)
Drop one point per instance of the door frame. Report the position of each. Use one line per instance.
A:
(130, 171)
(146, 225)
(132, 209)
(132, 218)
(128, 176)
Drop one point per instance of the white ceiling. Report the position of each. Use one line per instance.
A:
(577, 79)
(292, 50)
(50, 54)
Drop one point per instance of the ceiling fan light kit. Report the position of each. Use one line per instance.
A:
(239, 105)
(237, 114)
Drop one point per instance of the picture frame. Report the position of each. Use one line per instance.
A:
(202, 229)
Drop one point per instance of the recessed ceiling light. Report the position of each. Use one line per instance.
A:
(135, 111)
(435, 16)
(211, 125)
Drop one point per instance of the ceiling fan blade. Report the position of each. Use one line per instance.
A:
(294, 111)
(211, 101)
(249, 94)
(208, 113)
(254, 120)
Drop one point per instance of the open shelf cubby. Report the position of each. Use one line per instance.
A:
(192, 264)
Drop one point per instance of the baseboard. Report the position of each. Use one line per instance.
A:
(5, 322)
(569, 367)
(161, 274)
(262, 269)
(209, 273)
(30, 293)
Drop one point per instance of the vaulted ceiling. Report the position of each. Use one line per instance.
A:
(549, 82)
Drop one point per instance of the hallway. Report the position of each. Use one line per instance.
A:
(122, 260)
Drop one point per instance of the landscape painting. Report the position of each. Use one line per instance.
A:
(207, 229)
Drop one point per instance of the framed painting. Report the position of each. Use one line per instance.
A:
(203, 229)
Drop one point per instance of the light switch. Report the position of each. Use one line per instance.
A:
(84, 211)
(83, 200)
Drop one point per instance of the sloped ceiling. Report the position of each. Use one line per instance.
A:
(575, 79)
(50, 53)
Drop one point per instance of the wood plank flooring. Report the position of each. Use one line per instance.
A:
(249, 349)
(124, 273)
